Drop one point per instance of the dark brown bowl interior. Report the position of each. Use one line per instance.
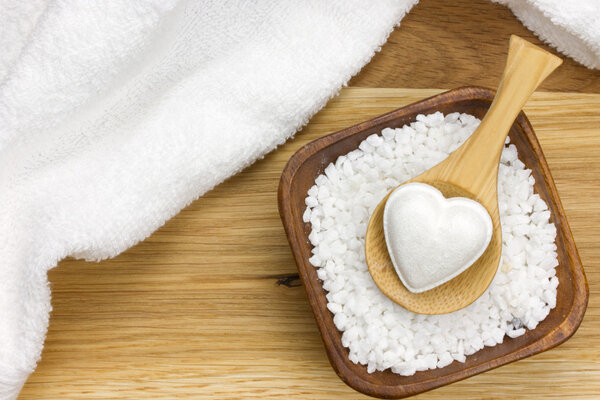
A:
(308, 162)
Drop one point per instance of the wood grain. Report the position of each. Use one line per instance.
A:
(208, 306)
(448, 44)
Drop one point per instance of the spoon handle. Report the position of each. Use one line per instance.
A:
(526, 67)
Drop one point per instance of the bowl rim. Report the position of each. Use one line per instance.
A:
(340, 362)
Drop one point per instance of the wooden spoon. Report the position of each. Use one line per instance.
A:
(470, 171)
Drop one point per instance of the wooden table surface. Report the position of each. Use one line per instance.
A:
(210, 305)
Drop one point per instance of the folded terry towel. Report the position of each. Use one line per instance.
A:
(571, 26)
(116, 114)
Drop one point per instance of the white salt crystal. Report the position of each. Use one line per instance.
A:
(421, 128)
(315, 260)
(436, 119)
(332, 173)
(306, 215)
(452, 117)
(388, 133)
(315, 222)
(540, 216)
(354, 155)
(444, 359)
(516, 333)
(311, 201)
(334, 308)
(366, 147)
(347, 169)
(314, 237)
(340, 320)
(327, 223)
(321, 180)
(375, 140)
(322, 274)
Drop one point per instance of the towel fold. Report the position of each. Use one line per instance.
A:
(116, 114)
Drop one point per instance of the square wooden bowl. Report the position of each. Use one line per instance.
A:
(308, 162)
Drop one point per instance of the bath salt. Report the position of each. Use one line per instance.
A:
(379, 333)
(432, 239)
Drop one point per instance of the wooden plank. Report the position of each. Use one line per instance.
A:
(455, 43)
(208, 306)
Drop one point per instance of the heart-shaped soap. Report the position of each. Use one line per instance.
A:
(432, 239)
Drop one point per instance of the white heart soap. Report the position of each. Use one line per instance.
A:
(432, 239)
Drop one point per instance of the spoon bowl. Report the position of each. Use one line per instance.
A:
(471, 171)
(450, 296)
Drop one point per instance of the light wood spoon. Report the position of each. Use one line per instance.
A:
(470, 171)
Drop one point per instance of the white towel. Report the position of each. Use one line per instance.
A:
(116, 114)
(571, 26)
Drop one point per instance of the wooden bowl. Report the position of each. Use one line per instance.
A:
(308, 162)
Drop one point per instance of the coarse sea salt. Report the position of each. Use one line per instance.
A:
(379, 333)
